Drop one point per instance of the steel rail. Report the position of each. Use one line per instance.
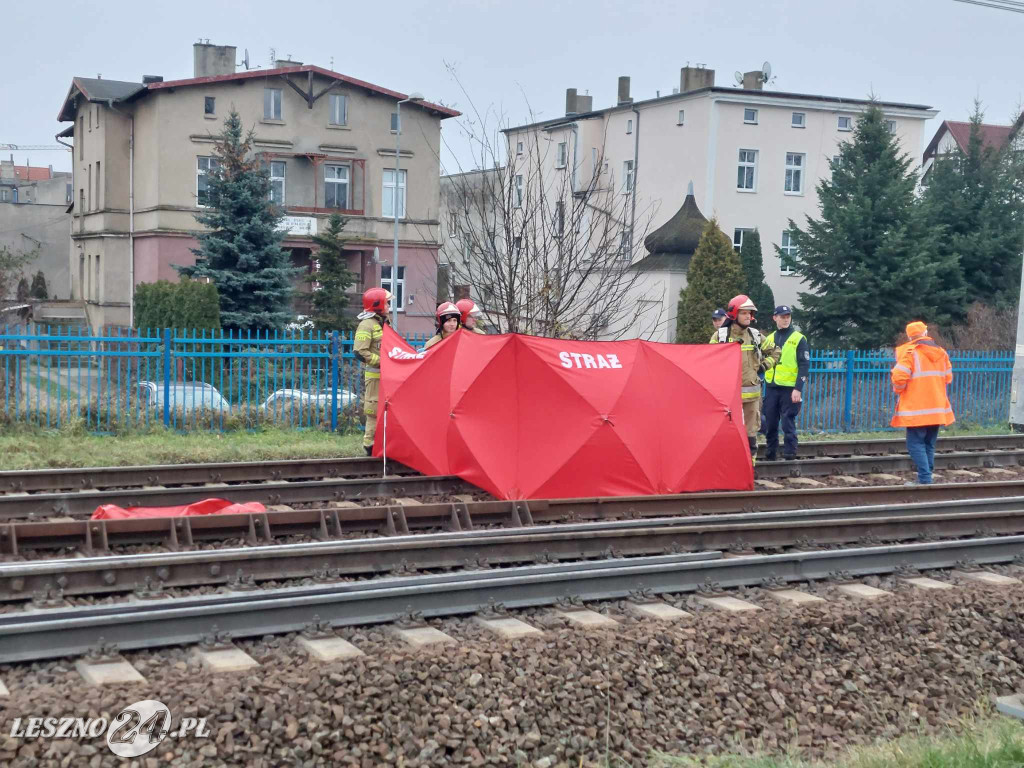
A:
(154, 572)
(25, 505)
(858, 465)
(167, 475)
(66, 632)
(330, 522)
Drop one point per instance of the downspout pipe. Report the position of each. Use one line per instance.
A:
(636, 175)
(131, 212)
(71, 226)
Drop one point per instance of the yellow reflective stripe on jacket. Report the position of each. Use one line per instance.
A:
(750, 393)
(784, 372)
(371, 374)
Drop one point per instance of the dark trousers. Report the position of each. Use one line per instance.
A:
(921, 447)
(779, 405)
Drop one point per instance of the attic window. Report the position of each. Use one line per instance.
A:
(210, 105)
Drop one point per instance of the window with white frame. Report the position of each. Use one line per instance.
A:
(3, 195)
(519, 147)
(336, 183)
(750, 116)
(558, 224)
(563, 154)
(277, 171)
(845, 123)
(746, 174)
(890, 126)
(518, 191)
(397, 287)
(795, 162)
(339, 109)
(627, 176)
(209, 105)
(679, 119)
(737, 237)
(205, 167)
(799, 120)
(272, 103)
(629, 126)
(388, 203)
(394, 122)
(625, 244)
(788, 255)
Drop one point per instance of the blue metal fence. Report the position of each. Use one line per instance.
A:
(213, 380)
(185, 380)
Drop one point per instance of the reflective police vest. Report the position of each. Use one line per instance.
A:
(785, 371)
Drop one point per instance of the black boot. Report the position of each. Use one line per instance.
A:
(789, 456)
(368, 449)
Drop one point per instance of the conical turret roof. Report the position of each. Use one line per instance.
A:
(681, 233)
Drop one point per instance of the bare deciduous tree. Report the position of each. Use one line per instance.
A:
(544, 235)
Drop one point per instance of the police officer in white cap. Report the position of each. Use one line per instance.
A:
(785, 385)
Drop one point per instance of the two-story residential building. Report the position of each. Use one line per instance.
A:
(143, 151)
(754, 157)
(955, 135)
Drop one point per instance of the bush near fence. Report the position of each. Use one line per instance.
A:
(50, 376)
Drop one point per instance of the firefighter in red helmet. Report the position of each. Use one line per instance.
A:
(759, 354)
(367, 343)
(448, 321)
(470, 315)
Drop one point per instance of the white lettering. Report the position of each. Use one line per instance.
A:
(203, 729)
(614, 360)
(397, 353)
(601, 362)
(576, 356)
(65, 726)
(564, 357)
(81, 729)
(583, 360)
(15, 726)
(49, 727)
(33, 727)
(588, 361)
(187, 724)
(97, 727)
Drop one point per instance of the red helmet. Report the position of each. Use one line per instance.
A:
(736, 303)
(468, 308)
(447, 309)
(376, 300)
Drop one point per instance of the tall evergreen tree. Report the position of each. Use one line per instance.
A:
(870, 260)
(714, 277)
(38, 289)
(972, 195)
(330, 302)
(753, 273)
(241, 249)
(23, 293)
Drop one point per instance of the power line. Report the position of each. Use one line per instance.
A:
(1002, 5)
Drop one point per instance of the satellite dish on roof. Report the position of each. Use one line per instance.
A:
(739, 77)
(245, 61)
(766, 71)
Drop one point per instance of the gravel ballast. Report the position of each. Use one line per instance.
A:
(818, 678)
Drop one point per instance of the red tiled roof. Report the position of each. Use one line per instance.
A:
(31, 173)
(995, 136)
(256, 73)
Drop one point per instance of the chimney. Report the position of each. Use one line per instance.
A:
(211, 60)
(753, 81)
(693, 78)
(624, 91)
(584, 103)
(147, 79)
(570, 101)
(282, 63)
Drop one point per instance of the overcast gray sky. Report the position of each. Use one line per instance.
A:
(936, 52)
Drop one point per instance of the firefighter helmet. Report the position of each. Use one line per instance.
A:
(736, 303)
(446, 310)
(377, 300)
(467, 308)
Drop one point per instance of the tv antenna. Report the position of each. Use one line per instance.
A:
(273, 56)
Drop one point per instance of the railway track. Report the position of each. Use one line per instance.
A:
(168, 476)
(71, 631)
(333, 522)
(330, 561)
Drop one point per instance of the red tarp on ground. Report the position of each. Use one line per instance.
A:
(524, 417)
(204, 507)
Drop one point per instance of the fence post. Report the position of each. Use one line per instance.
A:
(848, 393)
(167, 377)
(334, 381)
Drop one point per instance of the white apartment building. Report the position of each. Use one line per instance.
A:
(754, 157)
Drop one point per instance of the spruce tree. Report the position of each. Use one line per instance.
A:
(714, 277)
(753, 273)
(971, 195)
(38, 289)
(23, 293)
(240, 251)
(871, 261)
(330, 302)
